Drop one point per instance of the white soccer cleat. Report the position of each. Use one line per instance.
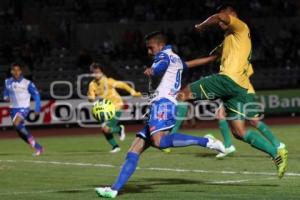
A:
(211, 136)
(122, 133)
(115, 150)
(106, 192)
(228, 151)
(215, 144)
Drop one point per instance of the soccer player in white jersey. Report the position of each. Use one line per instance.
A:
(18, 91)
(169, 66)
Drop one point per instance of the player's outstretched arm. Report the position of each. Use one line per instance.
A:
(212, 20)
(36, 97)
(217, 51)
(201, 61)
(124, 86)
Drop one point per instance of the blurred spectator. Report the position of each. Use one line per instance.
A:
(41, 31)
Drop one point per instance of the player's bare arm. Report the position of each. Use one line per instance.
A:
(214, 55)
(220, 19)
(124, 86)
(217, 51)
(201, 61)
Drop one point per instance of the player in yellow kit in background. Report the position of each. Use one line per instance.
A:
(105, 87)
(232, 83)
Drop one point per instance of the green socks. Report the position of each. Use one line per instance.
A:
(115, 129)
(265, 130)
(113, 142)
(257, 141)
(110, 139)
(225, 131)
(181, 109)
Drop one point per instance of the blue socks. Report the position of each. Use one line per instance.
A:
(172, 140)
(181, 140)
(127, 170)
(23, 132)
(26, 136)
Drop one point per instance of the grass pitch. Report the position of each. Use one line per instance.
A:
(73, 166)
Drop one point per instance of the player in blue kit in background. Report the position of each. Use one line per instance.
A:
(18, 92)
(169, 67)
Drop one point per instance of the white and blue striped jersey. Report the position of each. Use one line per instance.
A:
(19, 93)
(170, 65)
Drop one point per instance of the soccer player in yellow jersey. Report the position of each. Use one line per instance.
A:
(252, 109)
(252, 113)
(232, 83)
(104, 87)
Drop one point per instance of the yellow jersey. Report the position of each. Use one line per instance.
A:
(236, 52)
(106, 88)
(250, 88)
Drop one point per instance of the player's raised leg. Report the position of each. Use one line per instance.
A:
(181, 111)
(257, 141)
(265, 130)
(253, 116)
(162, 120)
(252, 112)
(138, 146)
(162, 140)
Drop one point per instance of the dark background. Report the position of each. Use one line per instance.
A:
(58, 39)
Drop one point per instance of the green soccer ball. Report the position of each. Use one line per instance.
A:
(103, 110)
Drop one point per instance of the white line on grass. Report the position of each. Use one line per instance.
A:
(239, 181)
(68, 163)
(154, 168)
(229, 181)
(219, 182)
(46, 191)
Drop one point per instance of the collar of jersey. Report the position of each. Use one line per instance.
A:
(18, 80)
(99, 78)
(167, 47)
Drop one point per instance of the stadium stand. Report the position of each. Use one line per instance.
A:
(54, 48)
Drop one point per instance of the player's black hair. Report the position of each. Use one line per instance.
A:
(226, 6)
(96, 65)
(16, 64)
(158, 35)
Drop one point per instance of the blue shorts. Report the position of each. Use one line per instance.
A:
(161, 118)
(21, 112)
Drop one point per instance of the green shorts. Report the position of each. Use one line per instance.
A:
(219, 86)
(254, 108)
(114, 121)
